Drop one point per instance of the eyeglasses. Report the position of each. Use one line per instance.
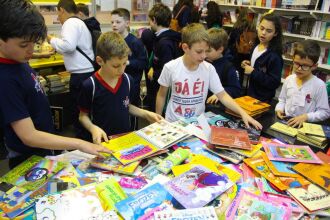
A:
(302, 66)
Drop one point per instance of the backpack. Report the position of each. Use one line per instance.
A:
(174, 25)
(178, 52)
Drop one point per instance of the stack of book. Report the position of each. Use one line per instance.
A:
(55, 84)
(314, 134)
(251, 106)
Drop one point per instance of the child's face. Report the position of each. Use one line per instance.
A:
(197, 52)
(213, 54)
(119, 24)
(115, 66)
(303, 67)
(17, 49)
(266, 31)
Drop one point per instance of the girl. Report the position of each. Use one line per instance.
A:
(266, 62)
(214, 15)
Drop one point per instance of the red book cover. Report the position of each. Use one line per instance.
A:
(231, 138)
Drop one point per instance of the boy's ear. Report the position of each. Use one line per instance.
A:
(221, 49)
(314, 67)
(185, 47)
(99, 60)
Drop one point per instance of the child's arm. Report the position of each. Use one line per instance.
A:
(142, 113)
(34, 138)
(160, 100)
(280, 107)
(97, 133)
(232, 105)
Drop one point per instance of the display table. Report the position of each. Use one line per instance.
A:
(54, 60)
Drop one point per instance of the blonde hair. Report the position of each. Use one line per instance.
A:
(111, 44)
(194, 33)
(218, 38)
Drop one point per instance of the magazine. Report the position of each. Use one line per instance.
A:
(197, 213)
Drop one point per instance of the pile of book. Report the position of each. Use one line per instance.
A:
(55, 83)
(251, 106)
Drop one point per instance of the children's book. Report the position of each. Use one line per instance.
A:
(175, 158)
(247, 153)
(324, 157)
(290, 153)
(285, 129)
(226, 154)
(145, 203)
(198, 186)
(163, 134)
(230, 138)
(280, 168)
(315, 129)
(317, 173)
(130, 148)
(311, 197)
(112, 164)
(197, 213)
(250, 206)
(251, 104)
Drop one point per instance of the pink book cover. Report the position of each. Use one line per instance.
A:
(290, 153)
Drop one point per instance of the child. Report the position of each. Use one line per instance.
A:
(190, 77)
(266, 63)
(165, 47)
(25, 112)
(104, 101)
(303, 95)
(227, 72)
(83, 14)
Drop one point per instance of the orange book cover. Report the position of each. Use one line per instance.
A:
(231, 138)
(251, 104)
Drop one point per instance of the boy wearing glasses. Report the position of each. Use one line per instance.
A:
(303, 96)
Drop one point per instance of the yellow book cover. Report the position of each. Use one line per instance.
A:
(251, 104)
(112, 164)
(285, 129)
(249, 153)
(130, 148)
(316, 173)
(280, 168)
(313, 129)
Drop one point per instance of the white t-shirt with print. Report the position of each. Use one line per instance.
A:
(189, 88)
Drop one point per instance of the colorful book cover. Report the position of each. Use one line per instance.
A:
(285, 129)
(280, 168)
(112, 164)
(249, 153)
(226, 154)
(324, 157)
(163, 134)
(198, 213)
(175, 158)
(145, 203)
(290, 153)
(313, 129)
(109, 193)
(230, 138)
(198, 186)
(311, 197)
(130, 148)
(251, 104)
(250, 206)
(317, 173)
(150, 170)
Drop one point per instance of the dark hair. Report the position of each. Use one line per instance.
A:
(21, 19)
(162, 14)
(275, 43)
(122, 12)
(308, 49)
(181, 3)
(68, 5)
(214, 15)
(81, 7)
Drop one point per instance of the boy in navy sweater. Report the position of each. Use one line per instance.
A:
(227, 72)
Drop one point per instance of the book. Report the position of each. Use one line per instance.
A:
(280, 168)
(250, 206)
(324, 157)
(226, 154)
(311, 197)
(145, 203)
(197, 187)
(230, 138)
(313, 129)
(175, 158)
(285, 129)
(112, 164)
(197, 213)
(290, 153)
(251, 106)
(319, 174)
(247, 153)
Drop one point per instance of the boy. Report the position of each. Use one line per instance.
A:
(303, 95)
(104, 101)
(190, 77)
(165, 47)
(25, 112)
(83, 14)
(228, 74)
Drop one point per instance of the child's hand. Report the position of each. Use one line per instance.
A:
(152, 117)
(212, 100)
(151, 73)
(98, 134)
(280, 114)
(94, 149)
(249, 120)
(248, 69)
(298, 121)
(245, 63)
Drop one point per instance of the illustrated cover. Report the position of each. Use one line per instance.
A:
(290, 153)
(175, 158)
(197, 213)
(163, 134)
(230, 138)
(130, 148)
(145, 203)
(324, 157)
(248, 153)
(313, 129)
(226, 154)
(250, 206)
(251, 104)
(198, 186)
(280, 168)
(112, 164)
(311, 197)
(285, 129)
(317, 173)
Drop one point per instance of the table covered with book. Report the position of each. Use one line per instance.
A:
(210, 167)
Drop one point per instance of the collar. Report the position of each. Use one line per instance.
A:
(8, 61)
(161, 31)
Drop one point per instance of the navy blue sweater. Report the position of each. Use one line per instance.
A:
(266, 76)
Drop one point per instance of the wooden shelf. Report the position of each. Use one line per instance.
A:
(305, 37)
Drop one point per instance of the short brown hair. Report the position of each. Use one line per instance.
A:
(81, 7)
(111, 44)
(122, 12)
(68, 5)
(308, 49)
(194, 33)
(162, 14)
(218, 38)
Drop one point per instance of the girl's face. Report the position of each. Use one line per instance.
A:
(266, 31)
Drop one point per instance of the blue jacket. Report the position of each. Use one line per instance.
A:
(266, 76)
(230, 78)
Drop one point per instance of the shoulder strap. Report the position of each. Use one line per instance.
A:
(85, 55)
(129, 82)
(181, 9)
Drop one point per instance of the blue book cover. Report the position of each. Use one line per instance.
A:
(145, 203)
